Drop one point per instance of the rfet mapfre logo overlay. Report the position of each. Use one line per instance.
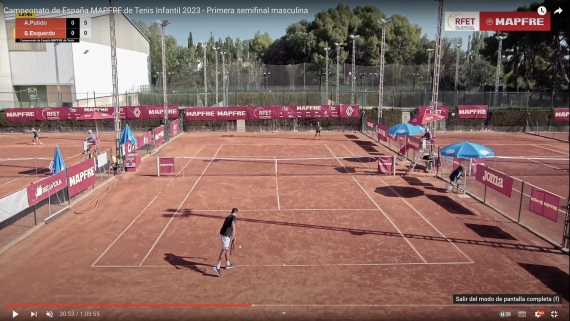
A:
(461, 21)
(514, 21)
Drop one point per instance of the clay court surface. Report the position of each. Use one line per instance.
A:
(321, 240)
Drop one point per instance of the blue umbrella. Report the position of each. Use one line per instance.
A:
(127, 136)
(57, 165)
(467, 150)
(406, 129)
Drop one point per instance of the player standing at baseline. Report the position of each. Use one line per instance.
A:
(228, 236)
(36, 136)
(319, 128)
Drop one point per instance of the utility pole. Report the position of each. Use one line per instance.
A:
(163, 24)
(216, 60)
(353, 37)
(498, 77)
(327, 75)
(204, 63)
(117, 109)
(338, 45)
(430, 51)
(223, 78)
(456, 84)
(383, 23)
(57, 75)
(436, 69)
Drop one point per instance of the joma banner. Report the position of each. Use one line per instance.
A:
(39, 191)
(385, 165)
(150, 112)
(370, 124)
(166, 165)
(442, 110)
(81, 176)
(495, 180)
(159, 135)
(174, 128)
(382, 132)
(414, 143)
(561, 114)
(215, 113)
(544, 204)
(472, 111)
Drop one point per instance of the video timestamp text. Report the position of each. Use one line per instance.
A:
(79, 313)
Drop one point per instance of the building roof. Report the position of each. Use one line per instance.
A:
(12, 16)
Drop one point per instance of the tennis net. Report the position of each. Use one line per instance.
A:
(272, 166)
(17, 167)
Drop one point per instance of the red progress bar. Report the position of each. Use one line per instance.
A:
(127, 305)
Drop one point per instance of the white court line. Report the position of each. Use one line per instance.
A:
(277, 185)
(532, 160)
(552, 150)
(34, 174)
(285, 265)
(382, 211)
(133, 222)
(295, 209)
(417, 212)
(179, 207)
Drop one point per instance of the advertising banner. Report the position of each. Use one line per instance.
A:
(495, 180)
(81, 176)
(385, 165)
(472, 111)
(174, 128)
(370, 124)
(401, 140)
(544, 204)
(476, 162)
(268, 112)
(215, 113)
(317, 111)
(561, 114)
(166, 165)
(349, 111)
(39, 191)
(414, 143)
(71, 113)
(271, 112)
(150, 112)
(159, 135)
(442, 110)
(382, 132)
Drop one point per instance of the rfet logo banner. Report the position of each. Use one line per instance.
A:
(544, 204)
(159, 135)
(266, 112)
(561, 114)
(495, 180)
(174, 128)
(497, 21)
(472, 111)
(385, 165)
(81, 176)
(383, 132)
(166, 165)
(370, 124)
(46, 187)
(441, 110)
(414, 143)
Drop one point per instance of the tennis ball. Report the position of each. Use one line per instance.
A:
(240, 246)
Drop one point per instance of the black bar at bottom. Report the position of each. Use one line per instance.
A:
(46, 40)
(507, 299)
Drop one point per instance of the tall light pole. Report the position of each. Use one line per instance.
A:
(327, 75)
(216, 60)
(430, 51)
(436, 68)
(456, 84)
(497, 78)
(383, 23)
(163, 24)
(223, 77)
(353, 37)
(57, 75)
(338, 45)
(114, 75)
(204, 63)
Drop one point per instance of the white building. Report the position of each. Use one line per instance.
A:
(85, 74)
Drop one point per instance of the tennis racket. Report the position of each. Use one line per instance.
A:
(232, 247)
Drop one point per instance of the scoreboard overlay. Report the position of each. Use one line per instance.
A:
(32, 29)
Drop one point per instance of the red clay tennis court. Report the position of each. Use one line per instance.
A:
(322, 237)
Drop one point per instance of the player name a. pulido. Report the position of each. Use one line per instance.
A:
(496, 21)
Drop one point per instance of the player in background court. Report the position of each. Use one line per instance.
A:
(228, 236)
(36, 136)
(319, 128)
(90, 140)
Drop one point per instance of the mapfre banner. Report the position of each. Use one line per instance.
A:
(383, 132)
(386, 165)
(142, 140)
(472, 111)
(271, 112)
(71, 113)
(561, 114)
(544, 204)
(174, 128)
(39, 191)
(442, 110)
(81, 176)
(159, 135)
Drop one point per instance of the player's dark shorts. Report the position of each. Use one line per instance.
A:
(318, 131)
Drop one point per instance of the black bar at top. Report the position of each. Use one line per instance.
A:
(73, 33)
(71, 23)
(526, 299)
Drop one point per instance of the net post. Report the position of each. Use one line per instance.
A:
(394, 165)
(520, 202)
(158, 166)
(275, 158)
(67, 188)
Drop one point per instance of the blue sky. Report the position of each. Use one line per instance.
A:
(244, 26)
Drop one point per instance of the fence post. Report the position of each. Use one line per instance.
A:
(35, 216)
(520, 203)
(394, 165)
(158, 166)
(67, 188)
(485, 195)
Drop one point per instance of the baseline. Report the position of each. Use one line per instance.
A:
(144, 210)
(552, 150)
(288, 265)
